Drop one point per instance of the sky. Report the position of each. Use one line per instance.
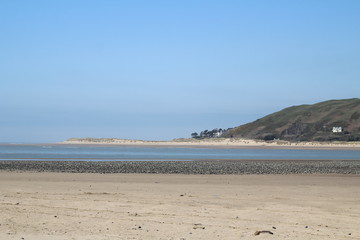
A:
(159, 70)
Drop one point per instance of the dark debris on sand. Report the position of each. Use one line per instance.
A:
(189, 167)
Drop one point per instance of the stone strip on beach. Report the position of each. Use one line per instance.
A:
(189, 167)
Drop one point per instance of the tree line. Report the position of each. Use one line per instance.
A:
(217, 132)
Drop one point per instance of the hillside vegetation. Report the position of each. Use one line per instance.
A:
(306, 123)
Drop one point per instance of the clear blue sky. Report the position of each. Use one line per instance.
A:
(164, 69)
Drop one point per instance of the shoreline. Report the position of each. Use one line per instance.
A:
(215, 143)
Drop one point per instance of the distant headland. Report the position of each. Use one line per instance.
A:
(333, 120)
(333, 123)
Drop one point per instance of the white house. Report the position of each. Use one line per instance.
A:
(218, 134)
(337, 129)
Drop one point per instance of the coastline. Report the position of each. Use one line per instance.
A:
(201, 199)
(215, 143)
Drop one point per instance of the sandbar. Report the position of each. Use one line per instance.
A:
(215, 143)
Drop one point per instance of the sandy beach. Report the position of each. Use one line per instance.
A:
(215, 143)
(162, 206)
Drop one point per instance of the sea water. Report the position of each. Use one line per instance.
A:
(136, 153)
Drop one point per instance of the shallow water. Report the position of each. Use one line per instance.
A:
(126, 153)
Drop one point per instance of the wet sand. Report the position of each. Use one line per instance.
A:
(163, 206)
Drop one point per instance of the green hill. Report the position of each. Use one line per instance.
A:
(306, 123)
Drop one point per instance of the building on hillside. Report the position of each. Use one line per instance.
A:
(337, 129)
(219, 132)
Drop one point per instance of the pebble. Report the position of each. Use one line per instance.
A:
(190, 167)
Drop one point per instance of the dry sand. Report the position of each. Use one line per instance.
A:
(145, 206)
(216, 143)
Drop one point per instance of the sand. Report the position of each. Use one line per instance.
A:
(215, 143)
(158, 206)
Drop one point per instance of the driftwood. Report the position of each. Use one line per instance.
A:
(259, 232)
